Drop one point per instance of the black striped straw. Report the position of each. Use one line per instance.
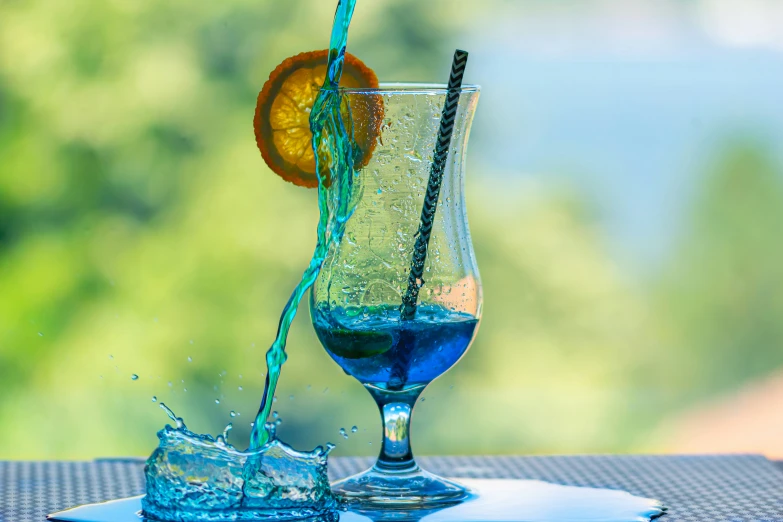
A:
(442, 146)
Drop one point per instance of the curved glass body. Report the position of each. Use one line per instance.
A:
(357, 300)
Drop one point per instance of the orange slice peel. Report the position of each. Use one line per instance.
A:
(282, 117)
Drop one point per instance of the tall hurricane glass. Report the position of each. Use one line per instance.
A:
(356, 300)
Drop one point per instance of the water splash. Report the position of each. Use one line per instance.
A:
(200, 478)
(334, 158)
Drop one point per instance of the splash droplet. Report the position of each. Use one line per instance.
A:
(354, 429)
(233, 413)
(154, 399)
(240, 388)
(134, 377)
(217, 401)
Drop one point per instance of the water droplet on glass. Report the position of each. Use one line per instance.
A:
(354, 429)
(134, 377)
(154, 399)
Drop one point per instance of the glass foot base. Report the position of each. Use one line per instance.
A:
(414, 489)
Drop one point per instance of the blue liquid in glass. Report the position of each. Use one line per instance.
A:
(377, 347)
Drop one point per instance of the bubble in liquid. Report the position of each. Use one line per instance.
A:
(134, 377)
(154, 399)
(354, 429)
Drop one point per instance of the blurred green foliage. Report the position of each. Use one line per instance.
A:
(139, 228)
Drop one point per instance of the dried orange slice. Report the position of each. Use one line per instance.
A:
(282, 118)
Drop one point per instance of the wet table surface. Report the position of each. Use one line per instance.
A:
(721, 488)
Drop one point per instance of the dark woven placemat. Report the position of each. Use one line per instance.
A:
(742, 488)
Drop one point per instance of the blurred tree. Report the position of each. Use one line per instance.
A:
(722, 296)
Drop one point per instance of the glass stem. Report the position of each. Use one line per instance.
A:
(396, 408)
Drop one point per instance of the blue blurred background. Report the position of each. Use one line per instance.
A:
(625, 195)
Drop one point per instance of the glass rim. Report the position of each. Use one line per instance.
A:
(408, 88)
